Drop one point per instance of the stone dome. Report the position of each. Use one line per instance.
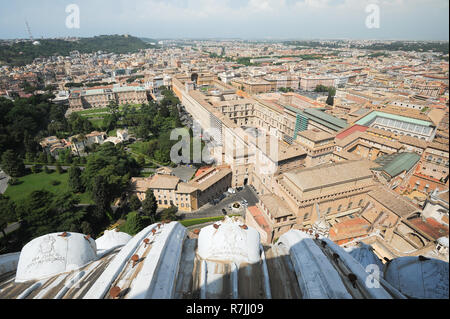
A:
(53, 254)
(229, 240)
(111, 239)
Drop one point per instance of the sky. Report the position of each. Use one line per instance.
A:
(245, 19)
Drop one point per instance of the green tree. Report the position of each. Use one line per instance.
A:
(37, 214)
(59, 168)
(135, 203)
(170, 214)
(134, 224)
(141, 161)
(35, 169)
(12, 164)
(7, 212)
(149, 205)
(42, 158)
(102, 197)
(331, 94)
(75, 181)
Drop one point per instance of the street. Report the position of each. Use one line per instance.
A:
(210, 210)
(3, 181)
(10, 228)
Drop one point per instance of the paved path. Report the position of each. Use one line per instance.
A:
(3, 181)
(210, 210)
(10, 229)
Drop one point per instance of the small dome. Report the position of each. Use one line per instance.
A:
(364, 254)
(53, 254)
(112, 238)
(418, 277)
(230, 241)
(443, 241)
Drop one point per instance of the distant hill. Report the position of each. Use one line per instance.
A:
(19, 54)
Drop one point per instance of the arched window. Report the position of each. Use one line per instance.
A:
(350, 205)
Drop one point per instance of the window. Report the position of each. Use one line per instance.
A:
(360, 202)
(306, 216)
(350, 205)
(329, 210)
(339, 208)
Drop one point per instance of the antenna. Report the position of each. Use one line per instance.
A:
(29, 30)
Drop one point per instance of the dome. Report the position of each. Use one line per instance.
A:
(53, 254)
(418, 277)
(364, 254)
(229, 242)
(111, 239)
(443, 241)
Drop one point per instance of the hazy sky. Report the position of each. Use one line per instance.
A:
(301, 19)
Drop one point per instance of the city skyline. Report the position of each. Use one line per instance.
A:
(253, 19)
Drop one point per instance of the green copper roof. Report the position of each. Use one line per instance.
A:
(320, 117)
(327, 117)
(368, 118)
(394, 164)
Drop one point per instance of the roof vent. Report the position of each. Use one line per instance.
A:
(196, 231)
(335, 257)
(87, 237)
(63, 234)
(324, 243)
(159, 226)
(135, 259)
(245, 227)
(423, 258)
(153, 231)
(317, 236)
(115, 292)
(216, 226)
(146, 241)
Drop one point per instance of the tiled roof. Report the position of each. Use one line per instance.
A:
(430, 227)
(396, 203)
(329, 174)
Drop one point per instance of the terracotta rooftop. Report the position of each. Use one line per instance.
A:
(258, 216)
(350, 130)
(330, 174)
(396, 203)
(350, 228)
(275, 205)
(164, 182)
(431, 227)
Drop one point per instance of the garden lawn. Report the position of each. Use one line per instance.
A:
(42, 181)
(93, 111)
(97, 123)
